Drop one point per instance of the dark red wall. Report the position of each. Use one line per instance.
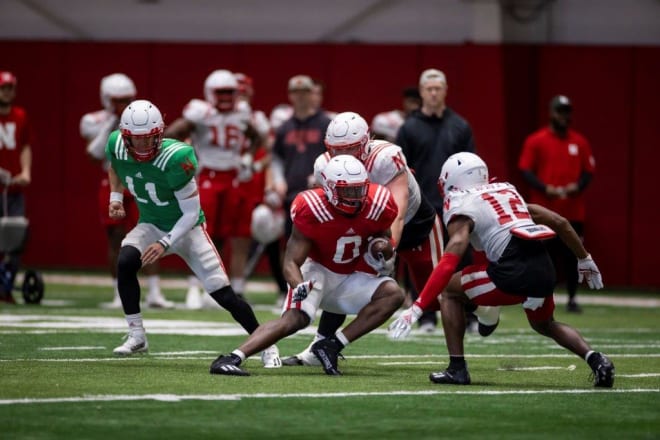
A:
(502, 90)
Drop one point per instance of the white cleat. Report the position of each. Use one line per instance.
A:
(193, 298)
(135, 343)
(271, 357)
(156, 300)
(115, 304)
(305, 357)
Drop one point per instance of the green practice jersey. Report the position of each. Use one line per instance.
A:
(153, 183)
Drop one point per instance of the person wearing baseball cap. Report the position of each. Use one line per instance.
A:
(557, 163)
(15, 169)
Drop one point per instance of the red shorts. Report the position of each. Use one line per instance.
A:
(132, 213)
(478, 286)
(227, 208)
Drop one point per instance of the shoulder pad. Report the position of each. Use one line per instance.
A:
(197, 110)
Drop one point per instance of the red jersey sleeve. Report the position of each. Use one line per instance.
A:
(527, 160)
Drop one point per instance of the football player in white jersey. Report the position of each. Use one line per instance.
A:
(493, 217)
(255, 189)
(219, 133)
(416, 231)
(117, 91)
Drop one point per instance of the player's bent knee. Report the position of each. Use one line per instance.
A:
(129, 260)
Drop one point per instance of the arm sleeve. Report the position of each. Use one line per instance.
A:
(190, 206)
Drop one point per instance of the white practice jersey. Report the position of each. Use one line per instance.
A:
(91, 124)
(496, 209)
(384, 161)
(218, 137)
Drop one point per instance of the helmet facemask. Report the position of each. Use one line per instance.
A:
(143, 148)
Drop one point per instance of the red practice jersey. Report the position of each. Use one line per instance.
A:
(339, 241)
(14, 135)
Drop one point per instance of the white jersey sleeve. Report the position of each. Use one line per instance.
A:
(197, 111)
(385, 161)
(495, 209)
(260, 123)
(91, 124)
(319, 164)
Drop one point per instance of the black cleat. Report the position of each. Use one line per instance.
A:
(327, 351)
(292, 361)
(487, 330)
(228, 365)
(573, 307)
(452, 377)
(603, 370)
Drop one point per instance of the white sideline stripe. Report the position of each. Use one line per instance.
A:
(166, 356)
(100, 347)
(215, 397)
(639, 375)
(569, 368)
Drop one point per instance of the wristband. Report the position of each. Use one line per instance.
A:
(116, 197)
(165, 242)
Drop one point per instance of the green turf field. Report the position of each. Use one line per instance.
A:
(59, 379)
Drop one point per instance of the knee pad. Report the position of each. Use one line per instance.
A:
(129, 260)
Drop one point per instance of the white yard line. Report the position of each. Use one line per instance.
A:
(217, 397)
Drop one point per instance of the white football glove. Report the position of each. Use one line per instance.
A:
(401, 327)
(301, 291)
(588, 271)
(381, 265)
(245, 170)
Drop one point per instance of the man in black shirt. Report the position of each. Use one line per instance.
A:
(298, 142)
(428, 137)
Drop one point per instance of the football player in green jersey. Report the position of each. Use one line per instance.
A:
(160, 173)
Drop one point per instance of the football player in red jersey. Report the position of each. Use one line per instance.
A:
(15, 171)
(325, 265)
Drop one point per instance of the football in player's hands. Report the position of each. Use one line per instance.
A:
(381, 246)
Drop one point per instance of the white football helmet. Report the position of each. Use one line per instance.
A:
(347, 133)
(267, 225)
(116, 86)
(142, 127)
(346, 183)
(221, 90)
(462, 171)
(280, 114)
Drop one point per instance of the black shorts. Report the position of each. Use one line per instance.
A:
(524, 269)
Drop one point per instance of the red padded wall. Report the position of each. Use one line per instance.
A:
(502, 91)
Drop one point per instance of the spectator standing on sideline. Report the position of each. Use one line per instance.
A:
(428, 137)
(298, 142)
(557, 163)
(161, 174)
(16, 165)
(117, 91)
(495, 218)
